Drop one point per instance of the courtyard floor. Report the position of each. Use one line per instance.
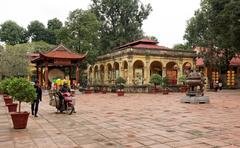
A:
(135, 120)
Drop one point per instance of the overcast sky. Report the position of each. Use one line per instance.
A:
(167, 21)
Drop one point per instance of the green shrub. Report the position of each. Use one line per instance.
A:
(120, 82)
(21, 90)
(4, 85)
(182, 79)
(164, 83)
(155, 79)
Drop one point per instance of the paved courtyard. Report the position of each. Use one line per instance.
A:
(135, 120)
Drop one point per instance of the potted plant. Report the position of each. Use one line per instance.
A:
(23, 91)
(182, 80)
(4, 88)
(120, 86)
(155, 79)
(164, 85)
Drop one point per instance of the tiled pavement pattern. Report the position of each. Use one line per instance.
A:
(135, 120)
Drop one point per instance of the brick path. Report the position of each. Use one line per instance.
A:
(135, 120)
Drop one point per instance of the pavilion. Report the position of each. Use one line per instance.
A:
(137, 61)
(52, 64)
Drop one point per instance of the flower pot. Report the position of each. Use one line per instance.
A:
(104, 91)
(154, 90)
(8, 100)
(183, 89)
(12, 107)
(165, 91)
(120, 93)
(88, 91)
(19, 119)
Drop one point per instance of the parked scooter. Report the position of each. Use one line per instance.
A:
(65, 102)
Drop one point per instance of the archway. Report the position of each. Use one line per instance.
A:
(172, 72)
(186, 68)
(125, 70)
(96, 73)
(116, 72)
(138, 72)
(102, 73)
(156, 68)
(109, 73)
(90, 79)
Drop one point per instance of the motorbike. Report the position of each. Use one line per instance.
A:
(64, 102)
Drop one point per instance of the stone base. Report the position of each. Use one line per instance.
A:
(195, 99)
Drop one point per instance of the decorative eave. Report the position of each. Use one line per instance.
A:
(60, 52)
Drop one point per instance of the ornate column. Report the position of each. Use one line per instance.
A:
(130, 72)
(41, 76)
(146, 72)
(77, 73)
(46, 75)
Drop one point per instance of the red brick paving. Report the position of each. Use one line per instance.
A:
(135, 120)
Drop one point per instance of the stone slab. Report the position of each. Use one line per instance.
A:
(195, 99)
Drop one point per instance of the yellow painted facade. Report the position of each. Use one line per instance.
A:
(136, 65)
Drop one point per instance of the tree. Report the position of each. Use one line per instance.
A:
(155, 79)
(11, 33)
(35, 47)
(14, 62)
(37, 31)
(216, 27)
(83, 32)
(181, 46)
(121, 21)
(54, 24)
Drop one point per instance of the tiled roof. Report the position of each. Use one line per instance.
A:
(143, 43)
(233, 62)
(62, 53)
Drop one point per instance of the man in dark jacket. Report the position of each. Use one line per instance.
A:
(35, 104)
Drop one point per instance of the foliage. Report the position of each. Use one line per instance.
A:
(121, 21)
(216, 26)
(182, 47)
(54, 24)
(22, 90)
(83, 30)
(182, 79)
(11, 33)
(34, 47)
(37, 31)
(53, 28)
(14, 62)
(120, 81)
(155, 79)
(164, 83)
(4, 85)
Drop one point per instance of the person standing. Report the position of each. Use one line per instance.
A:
(35, 103)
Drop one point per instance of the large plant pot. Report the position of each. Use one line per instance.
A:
(120, 93)
(88, 91)
(165, 91)
(154, 90)
(8, 100)
(104, 91)
(20, 119)
(12, 107)
(183, 89)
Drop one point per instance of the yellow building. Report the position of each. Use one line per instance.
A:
(137, 61)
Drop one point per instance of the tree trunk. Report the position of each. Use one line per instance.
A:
(19, 107)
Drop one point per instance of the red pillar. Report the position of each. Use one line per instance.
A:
(40, 75)
(46, 75)
(77, 74)
(70, 75)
